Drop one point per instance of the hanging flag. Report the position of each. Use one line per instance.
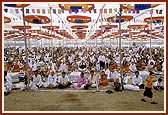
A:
(62, 11)
(157, 11)
(70, 11)
(6, 10)
(38, 11)
(43, 11)
(105, 11)
(95, 11)
(137, 11)
(11, 11)
(151, 11)
(129, 11)
(115, 9)
(161, 11)
(33, 10)
(101, 11)
(110, 10)
(133, 11)
(83, 10)
(49, 11)
(27, 10)
(59, 11)
(54, 11)
(125, 10)
(17, 11)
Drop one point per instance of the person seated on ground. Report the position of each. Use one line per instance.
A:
(113, 75)
(125, 65)
(81, 82)
(144, 73)
(63, 81)
(137, 80)
(32, 85)
(82, 66)
(107, 71)
(103, 79)
(74, 66)
(158, 85)
(64, 67)
(7, 83)
(16, 67)
(151, 66)
(51, 81)
(125, 78)
(132, 67)
(37, 80)
(92, 79)
(21, 75)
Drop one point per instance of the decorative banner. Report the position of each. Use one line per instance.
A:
(33, 10)
(110, 10)
(101, 11)
(59, 11)
(105, 11)
(38, 11)
(17, 11)
(95, 11)
(27, 11)
(43, 11)
(49, 11)
(54, 11)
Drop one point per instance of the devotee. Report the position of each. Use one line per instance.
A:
(103, 79)
(137, 80)
(158, 85)
(51, 81)
(82, 66)
(81, 82)
(63, 81)
(7, 83)
(37, 80)
(92, 79)
(63, 67)
(132, 67)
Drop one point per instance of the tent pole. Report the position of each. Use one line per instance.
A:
(151, 36)
(26, 51)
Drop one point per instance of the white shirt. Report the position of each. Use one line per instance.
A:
(52, 79)
(157, 84)
(114, 75)
(107, 71)
(136, 80)
(93, 79)
(63, 80)
(37, 80)
(101, 58)
(132, 67)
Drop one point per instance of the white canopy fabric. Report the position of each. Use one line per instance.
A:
(16, 18)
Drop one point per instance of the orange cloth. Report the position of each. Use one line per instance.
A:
(149, 82)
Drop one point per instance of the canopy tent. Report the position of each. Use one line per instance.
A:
(96, 14)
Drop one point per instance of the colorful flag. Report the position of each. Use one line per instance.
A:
(17, 11)
(59, 11)
(54, 11)
(110, 10)
(95, 11)
(27, 10)
(129, 11)
(70, 11)
(38, 11)
(33, 10)
(105, 11)
(43, 11)
(151, 11)
(6, 10)
(115, 9)
(161, 11)
(62, 11)
(125, 10)
(101, 11)
(49, 11)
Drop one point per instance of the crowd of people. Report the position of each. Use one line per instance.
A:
(39, 67)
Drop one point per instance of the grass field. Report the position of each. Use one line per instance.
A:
(52, 100)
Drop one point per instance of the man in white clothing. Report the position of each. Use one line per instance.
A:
(132, 67)
(92, 79)
(137, 80)
(51, 81)
(64, 67)
(63, 81)
(37, 79)
(8, 83)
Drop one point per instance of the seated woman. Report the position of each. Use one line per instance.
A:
(81, 82)
(124, 65)
(158, 85)
(103, 79)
